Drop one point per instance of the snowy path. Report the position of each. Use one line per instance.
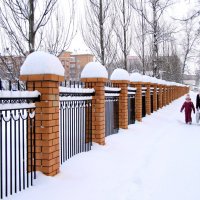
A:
(158, 159)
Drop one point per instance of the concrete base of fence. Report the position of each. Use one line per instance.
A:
(47, 121)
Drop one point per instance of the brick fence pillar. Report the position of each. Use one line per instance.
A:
(138, 100)
(170, 94)
(97, 81)
(98, 108)
(47, 112)
(123, 102)
(160, 96)
(148, 98)
(154, 97)
(164, 95)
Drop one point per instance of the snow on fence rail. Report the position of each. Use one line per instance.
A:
(17, 141)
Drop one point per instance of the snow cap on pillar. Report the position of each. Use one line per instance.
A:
(120, 75)
(94, 70)
(136, 77)
(40, 62)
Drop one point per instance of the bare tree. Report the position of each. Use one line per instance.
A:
(189, 42)
(123, 28)
(61, 29)
(140, 46)
(22, 20)
(97, 30)
(155, 27)
(32, 25)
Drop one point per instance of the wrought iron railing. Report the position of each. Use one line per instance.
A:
(144, 101)
(111, 110)
(131, 105)
(151, 97)
(75, 121)
(17, 141)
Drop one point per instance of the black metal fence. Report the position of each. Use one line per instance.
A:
(75, 122)
(143, 102)
(17, 144)
(131, 109)
(111, 111)
(131, 105)
(151, 97)
(111, 115)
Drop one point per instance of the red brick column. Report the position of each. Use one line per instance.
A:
(154, 97)
(123, 102)
(47, 121)
(167, 95)
(98, 109)
(170, 94)
(164, 95)
(138, 100)
(148, 99)
(160, 96)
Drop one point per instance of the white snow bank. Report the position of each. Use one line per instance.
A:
(42, 63)
(120, 74)
(75, 98)
(10, 106)
(112, 89)
(94, 70)
(136, 77)
(76, 90)
(19, 94)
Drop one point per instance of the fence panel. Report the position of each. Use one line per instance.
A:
(131, 105)
(17, 141)
(111, 110)
(144, 101)
(75, 121)
(151, 95)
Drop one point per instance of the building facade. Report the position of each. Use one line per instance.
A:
(74, 64)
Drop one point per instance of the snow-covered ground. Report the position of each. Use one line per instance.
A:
(158, 159)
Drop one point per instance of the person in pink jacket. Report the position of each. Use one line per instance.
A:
(188, 106)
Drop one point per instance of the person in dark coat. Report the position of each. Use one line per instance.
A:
(198, 101)
(188, 106)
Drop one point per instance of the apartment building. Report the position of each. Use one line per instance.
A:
(74, 64)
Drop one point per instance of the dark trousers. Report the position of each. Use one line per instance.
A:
(188, 117)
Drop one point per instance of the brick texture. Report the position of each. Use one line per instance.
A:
(138, 100)
(47, 122)
(123, 103)
(154, 97)
(148, 99)
(98, 109)
(160, 95)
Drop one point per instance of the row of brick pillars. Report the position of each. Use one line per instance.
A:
(47, 110)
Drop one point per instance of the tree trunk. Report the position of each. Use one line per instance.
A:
(143, 40)
(155, 41)
(101, 32)
(31, 27)
(124, 30)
